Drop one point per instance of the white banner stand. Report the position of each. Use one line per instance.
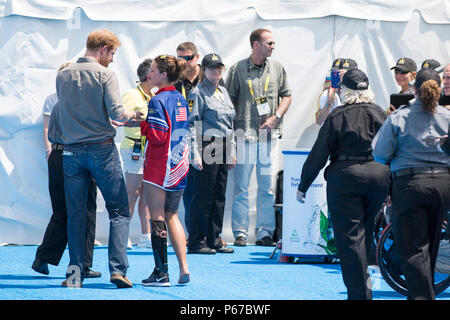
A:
(306, 229)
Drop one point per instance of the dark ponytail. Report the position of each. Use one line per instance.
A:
(429, 93)
(428, 84)
(172, 65)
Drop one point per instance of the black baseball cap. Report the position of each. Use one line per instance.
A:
(212, 60)
(430, 63)
(425, 75)
(349, 64)
(355, 79)
(336, 64)
(344, 63)
(405, 64)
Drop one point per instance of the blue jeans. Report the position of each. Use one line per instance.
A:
(100, 161)
(250, 155)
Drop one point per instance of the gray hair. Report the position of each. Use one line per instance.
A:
(349, 96)
(143, 69)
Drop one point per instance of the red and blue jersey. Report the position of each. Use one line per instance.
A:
(166, 151)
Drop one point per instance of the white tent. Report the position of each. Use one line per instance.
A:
(37, 36)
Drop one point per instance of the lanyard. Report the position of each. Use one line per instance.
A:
(183, 90)
(249, 81)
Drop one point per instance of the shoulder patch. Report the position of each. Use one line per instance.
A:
(190, 104)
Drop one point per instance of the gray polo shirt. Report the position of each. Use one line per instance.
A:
(247, 117)
(89, 96)
(214, 111)
(407, 139)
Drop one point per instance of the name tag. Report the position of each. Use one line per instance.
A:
(263, 108)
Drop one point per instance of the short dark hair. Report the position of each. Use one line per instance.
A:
(185, 46)
(142, 70)
(256, 35)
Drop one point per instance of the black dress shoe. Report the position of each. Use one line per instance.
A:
(202, 250)
(265, 242)
(89, 273)
(40, 266)
(240, 241)
(224, 249)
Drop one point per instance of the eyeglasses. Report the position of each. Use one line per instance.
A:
(398, 71)
(187, 58)
(270, 43)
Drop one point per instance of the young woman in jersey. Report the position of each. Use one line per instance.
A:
(166, 165)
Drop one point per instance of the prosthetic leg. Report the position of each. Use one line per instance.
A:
(159, 276)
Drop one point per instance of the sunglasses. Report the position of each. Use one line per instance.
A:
(187, 58)
(398, 71)
(216, 67)
(270, 43)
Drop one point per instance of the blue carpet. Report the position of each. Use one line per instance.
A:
(247, 274)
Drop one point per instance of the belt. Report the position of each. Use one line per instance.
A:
(56, 146)
(410, 171)
(356, 158)
(134, 139)
(104, 142)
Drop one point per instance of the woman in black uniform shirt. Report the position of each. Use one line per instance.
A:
(356, 184)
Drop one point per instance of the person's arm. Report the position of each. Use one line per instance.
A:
(113, 102)
(47, 144)
(317, 158)
(155, 128)
(384, 144)
(272, 121)
(326, 103)
(444, 144)
(195, 127)
(285, 93)
(232, 86)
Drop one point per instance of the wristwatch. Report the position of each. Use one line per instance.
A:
(278, 115)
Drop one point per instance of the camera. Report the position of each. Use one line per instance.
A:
(136, 150)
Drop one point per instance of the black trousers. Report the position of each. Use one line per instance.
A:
(355, 193)
(55, 236)
(208, 202)
(419, 203)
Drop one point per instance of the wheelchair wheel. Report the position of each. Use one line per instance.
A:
(391, 265)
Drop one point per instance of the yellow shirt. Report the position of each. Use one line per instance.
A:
(134, 100)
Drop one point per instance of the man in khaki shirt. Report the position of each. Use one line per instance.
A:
(259, 90)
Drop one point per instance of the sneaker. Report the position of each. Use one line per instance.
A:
(120, 281)
(157, 279)
(265, 242)
(240, 241)
(145, 242)
(129, 245)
